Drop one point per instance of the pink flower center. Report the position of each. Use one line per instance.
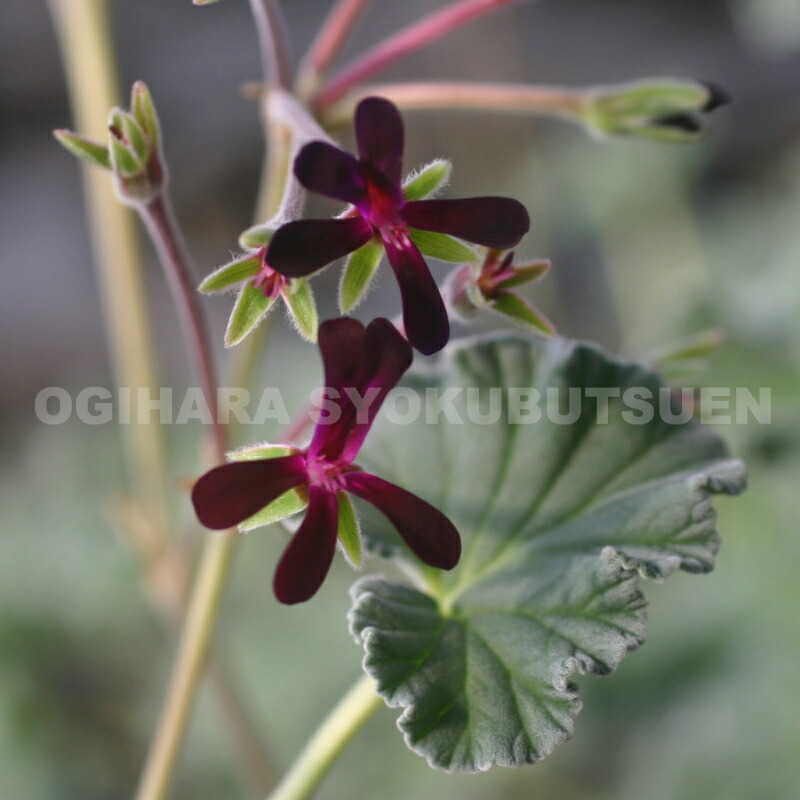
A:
(325, 474)
(382, 206)
(270, 282)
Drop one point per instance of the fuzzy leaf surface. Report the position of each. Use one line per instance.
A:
(559, 521)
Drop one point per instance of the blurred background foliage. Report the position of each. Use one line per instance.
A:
(649, 243)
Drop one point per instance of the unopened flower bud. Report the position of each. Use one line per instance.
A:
(664, 109)
(133, 152)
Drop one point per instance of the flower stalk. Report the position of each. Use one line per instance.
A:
(83, 31)
(332, 35)
(558, 101)
(407, 41)
(273, 42)
(159, 219)
(344, 722)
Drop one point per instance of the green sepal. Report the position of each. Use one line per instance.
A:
(441, 246)
(124, 160)
(515, 308)
(358, 273)
(257, 236)
(287, 504)
(203, 2)
(526, 273)
(85, 149)
(475, 296)
(302, 308)
(664, 109)
(236, 271)
(692, 348)
(144, 111)
(137, 139)
(349, 530)
(430, 180)
(249, 309)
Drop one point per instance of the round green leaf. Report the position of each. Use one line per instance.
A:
(558, 520)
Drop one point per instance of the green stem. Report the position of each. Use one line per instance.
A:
(198, 628)
(83, 31)
(84, 34)
(329, 740)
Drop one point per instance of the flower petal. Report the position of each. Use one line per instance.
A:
(231, 493)
(326, 169)
(299, 248)
(424, 312)
(389, 355)
(429, 534)
(306, 561)
(342, 344)
(379, 136)
(498, 222)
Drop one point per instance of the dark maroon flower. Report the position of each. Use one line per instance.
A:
(362, 365)
(371, 183)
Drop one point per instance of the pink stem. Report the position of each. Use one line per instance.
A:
(407, 41)
(507, 97)
(160, 222)
(333, 33)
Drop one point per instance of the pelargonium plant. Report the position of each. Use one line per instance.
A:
(522, 535)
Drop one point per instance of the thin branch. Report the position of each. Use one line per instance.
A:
(510, 98)
(329, 41)
(160, 222)
(83, 34)
(327, 743)
(273, 42)
(406, 41)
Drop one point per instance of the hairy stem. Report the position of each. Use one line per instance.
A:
(329, 740)
(332, 35)
(215, 563)
(273, 42)
(406, 41)
(510, 98)
(159, 219)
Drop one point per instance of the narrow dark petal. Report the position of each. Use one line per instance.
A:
(343, 347)
(229, 494)
(427, 532)
(682, 122)
(498, 222)
(717, 96)
(326, 169)
(379, 136)
(304, 246)
(306, 561)
(389, 355)
(424, 312)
